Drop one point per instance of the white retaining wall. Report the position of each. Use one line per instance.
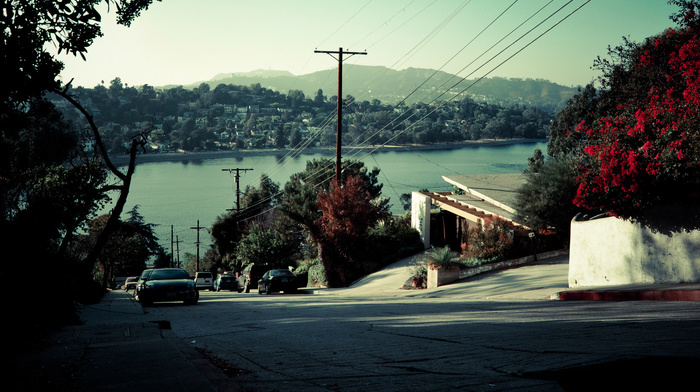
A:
(612, 251)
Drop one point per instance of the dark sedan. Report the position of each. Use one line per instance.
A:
(278, 280)
(167, 284)
(226, 282)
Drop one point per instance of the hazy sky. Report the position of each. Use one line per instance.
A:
(183, 41)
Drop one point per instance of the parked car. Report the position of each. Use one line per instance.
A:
(226, 282)
(131, 282)
(251, 274)
(166, 284)
(142, 278)
(278, 280)
(118, 282)
(204, 280)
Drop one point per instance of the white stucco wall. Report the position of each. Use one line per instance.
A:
(420, 216)
(611, 251)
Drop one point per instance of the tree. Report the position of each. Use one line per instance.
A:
(564, 137)
(545, 200)
(256, 209)
(266, 246)
(643, 149)
(50, 186)
(319, 99)
(301, 204)
(341, 232)
(128, 248)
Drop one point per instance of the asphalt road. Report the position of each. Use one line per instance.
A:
(492, 333)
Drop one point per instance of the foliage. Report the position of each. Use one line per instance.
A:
(128, 248)
(442, 258)
(266, 246)
(392, 239)
(347, 214)
(643, 149)
(418, 275)
(243, 117)
(564, 137)
(490, 241)
(229, 229)
(545, 200)
(49, 185)
(317, 274)
(299, 205)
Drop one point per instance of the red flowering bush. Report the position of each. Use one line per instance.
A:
(489, 242)
(645, 150)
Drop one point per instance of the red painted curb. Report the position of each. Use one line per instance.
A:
(643, 295)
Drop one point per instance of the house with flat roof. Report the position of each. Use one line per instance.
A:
(476, 198)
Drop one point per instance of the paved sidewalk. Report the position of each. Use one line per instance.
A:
(117, 349)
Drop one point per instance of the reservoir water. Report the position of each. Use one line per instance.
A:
(181, 193)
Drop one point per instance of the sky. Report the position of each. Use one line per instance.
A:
(180, 42)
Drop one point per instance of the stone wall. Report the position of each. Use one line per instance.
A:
(612, 251)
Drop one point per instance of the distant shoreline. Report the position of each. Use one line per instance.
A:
(121, 160)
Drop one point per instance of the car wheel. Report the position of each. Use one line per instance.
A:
(268, 290)
(260, 291)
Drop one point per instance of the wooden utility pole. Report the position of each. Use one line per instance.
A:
(177, 244)
(339, 123)
(237, 177)
(198, 228)
(172, 249)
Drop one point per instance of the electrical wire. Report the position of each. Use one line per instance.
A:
(465, 89)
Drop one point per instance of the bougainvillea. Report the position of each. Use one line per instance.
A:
(645, 152)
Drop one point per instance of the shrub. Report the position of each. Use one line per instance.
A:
(418, 278)
(490, 242)
(442, 258)
(317, 274)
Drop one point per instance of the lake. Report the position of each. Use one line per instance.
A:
(181, 193)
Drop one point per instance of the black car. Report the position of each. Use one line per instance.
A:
(226, 282)
(166, 284)
(250, 276)
(278, 280)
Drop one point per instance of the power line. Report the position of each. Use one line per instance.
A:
(346, 22)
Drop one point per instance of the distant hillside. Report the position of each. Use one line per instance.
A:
(391, 86)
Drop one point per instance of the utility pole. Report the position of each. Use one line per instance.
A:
(172, 249)
(339, 122)
(177, 244)
(198, 228)
(237, 177)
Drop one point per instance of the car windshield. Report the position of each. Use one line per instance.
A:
(169, 274)
(281, 273)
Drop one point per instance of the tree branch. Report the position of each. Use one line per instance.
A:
(96, 133)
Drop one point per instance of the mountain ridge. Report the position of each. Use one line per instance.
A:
(410, 84)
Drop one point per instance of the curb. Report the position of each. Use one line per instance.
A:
(628, 295)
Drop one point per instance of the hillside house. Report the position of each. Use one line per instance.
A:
(475, 199)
